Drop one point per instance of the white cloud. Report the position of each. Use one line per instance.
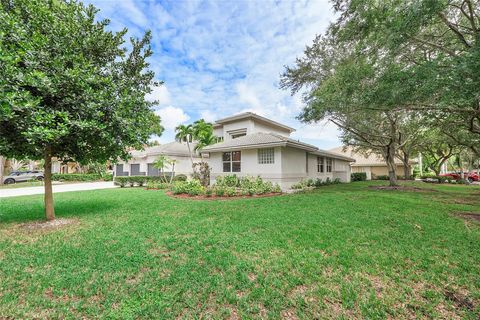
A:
(208, 115)
(172, 117)
(159, 94)
(218, 58)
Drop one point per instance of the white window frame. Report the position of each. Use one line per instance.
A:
(320, 164)
(231, 161)
(329, 164)
(266, 155)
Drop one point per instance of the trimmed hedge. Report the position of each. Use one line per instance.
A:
(140, 181)
(314, 183)
(359, 176)
(80, 177)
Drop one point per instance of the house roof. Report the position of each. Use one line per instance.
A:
(361, 160)
(251, 115)
(267, 140)
(169, 149)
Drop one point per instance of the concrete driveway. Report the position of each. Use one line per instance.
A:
(5, 193)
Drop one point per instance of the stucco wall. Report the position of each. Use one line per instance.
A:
(289, 168)
(261, 127)
(237, 125)
(373, 171)
(183, 164)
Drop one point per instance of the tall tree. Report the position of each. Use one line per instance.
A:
(69, 87)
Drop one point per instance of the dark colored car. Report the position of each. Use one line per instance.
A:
(471, 176)
(22, 176)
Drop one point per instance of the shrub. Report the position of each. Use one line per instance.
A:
(359, 176)
(179, 177)
(231, 180)
(208, 192)
(310, 183)
(318, 183)
(121, 181)
(382, 177)
(219, 191)
(192, 187)
(151, 184)
(201, 171)
(231, 191)
(77, 177)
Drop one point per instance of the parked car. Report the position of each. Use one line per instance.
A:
(471, 176)
(22, 176)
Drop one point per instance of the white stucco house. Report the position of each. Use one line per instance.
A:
(141, 162)
(256, 146)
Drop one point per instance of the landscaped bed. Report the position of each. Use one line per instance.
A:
(344, 250)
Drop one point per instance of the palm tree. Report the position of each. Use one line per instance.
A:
(206, 139)
(161, 163)
(200, 128)
(172, 162)
(185, 133)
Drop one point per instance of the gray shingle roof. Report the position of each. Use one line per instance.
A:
(172, 148)
(265, 140)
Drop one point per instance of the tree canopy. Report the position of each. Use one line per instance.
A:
(384, 60)
(69, 86)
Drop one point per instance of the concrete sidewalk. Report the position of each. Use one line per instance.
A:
(5, 193)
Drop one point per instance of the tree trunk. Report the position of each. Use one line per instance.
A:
(47, 173)
(392, 167)
(2, 167)
(406, 166)
(190, 152)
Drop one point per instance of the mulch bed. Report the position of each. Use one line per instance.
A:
(468, 215)
(48, 225)
(214, 197)
(402, 188)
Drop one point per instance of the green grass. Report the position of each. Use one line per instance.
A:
(22, 185)
(342, 251)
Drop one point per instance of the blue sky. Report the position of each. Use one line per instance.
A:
(219, 58)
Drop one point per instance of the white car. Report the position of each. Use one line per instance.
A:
(22, 176)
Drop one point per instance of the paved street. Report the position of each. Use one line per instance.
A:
(5, 193)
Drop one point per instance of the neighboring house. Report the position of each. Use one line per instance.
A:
(141, 162)
(373, 165)
(256, 146)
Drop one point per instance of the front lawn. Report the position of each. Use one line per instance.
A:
(341, 251)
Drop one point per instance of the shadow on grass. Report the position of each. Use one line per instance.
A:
(24, 209)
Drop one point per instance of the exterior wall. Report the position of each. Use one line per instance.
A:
(237, 125)
(251, 126)
(183, 164)
(249, 166)
(373, 171)
(260, 127)
(289, 168)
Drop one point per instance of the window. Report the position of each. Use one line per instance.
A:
(234, 136)
(232, 161)
(329, 165)
(320, 164)
(266, 155)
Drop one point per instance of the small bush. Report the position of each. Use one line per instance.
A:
(78, 177)
(359, 176)
(231, 181)
(179, 177)
(192, 187)
(121, 181)
(157, 185)
(311, 183)
(208, 192)
(231, 191)
(219, 191)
